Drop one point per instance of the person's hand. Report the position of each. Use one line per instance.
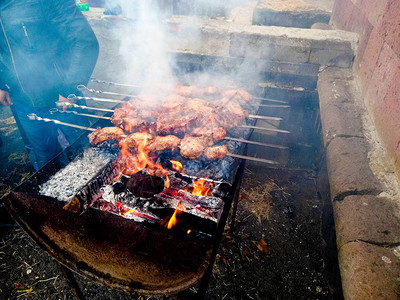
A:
(5, 98)
(66, 100)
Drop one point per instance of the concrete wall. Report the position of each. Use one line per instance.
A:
(377, 62)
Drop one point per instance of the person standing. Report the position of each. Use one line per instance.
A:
(47, 48)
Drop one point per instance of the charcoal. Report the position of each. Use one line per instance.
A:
(144, 185)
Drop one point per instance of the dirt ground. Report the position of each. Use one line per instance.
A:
(281, 246)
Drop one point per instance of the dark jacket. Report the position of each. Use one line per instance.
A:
(47, 48)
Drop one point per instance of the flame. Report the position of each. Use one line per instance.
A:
(167, 182)
(131, 164)
(189, 231)
(176, 165)
(173, 220)
(200, 188)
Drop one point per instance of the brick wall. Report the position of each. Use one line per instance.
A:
(377, 62)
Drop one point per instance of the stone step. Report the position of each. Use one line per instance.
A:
(292, 13)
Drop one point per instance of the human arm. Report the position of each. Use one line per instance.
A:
(5, 98)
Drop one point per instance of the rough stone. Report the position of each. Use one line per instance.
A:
(348, 168)
(271, 47)
(373, 219)
(337, 58)
(369, 271)
(339, 114)
(321, 26)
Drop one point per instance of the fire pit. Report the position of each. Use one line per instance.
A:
(152, 231)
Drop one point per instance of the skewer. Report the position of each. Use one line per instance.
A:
(114, 83)
(35, 117)
(267, 161)
(138, 86)
(273, 105)
(82, 88)
(255, 143)
(75, 97)
(55, 110)
(265, 117)
(270, 100)
(265, 129)
(61, 104)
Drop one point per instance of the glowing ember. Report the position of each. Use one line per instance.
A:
(201, 187)
(176, 165)
(126, 213)
(173, 221)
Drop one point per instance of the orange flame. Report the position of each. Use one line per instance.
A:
(167, 182)
(131, 164)
(173, 220)
(200, 188)
(189, 231)
(176, 165)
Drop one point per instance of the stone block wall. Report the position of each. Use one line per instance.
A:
(377, 62)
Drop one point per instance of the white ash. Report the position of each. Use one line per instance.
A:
(65, 183)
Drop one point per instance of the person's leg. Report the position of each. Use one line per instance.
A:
(41, 135)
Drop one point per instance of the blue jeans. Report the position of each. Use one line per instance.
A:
(47, 139)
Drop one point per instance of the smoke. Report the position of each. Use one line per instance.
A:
(144, 36)
(143, 47)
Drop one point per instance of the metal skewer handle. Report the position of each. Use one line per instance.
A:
(75, 97)
(37, 118)
(56, 110)
(61, 104)
(82, 88)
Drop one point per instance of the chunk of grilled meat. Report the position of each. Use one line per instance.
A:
(173, 101)
(133, 140)
(160, 143)
(217, 152)
(238, 95)
(123, 115)
(195, 91)
(176, 122)
(209, 135)
(191, 147)
(104, 134)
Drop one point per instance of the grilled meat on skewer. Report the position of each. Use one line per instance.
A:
(238, 95)
(216, 152)
(123, 115)
(160, 143)
(104, 134)
(194, 91)
(192, 147)
(176, 122)
(133, 140)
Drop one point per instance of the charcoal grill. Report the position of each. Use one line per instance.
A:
(118, 252)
